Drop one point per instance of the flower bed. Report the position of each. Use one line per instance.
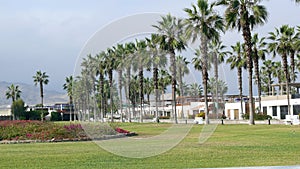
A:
(37, 130)
(27, 131)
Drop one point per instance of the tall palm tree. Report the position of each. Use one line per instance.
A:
(142, 60)
(129, 52)
(100, 62)
(205, 23)
(216, 56)
(281, 45)
(181, 64)
(237, 60)
(110, 60)
(68, 86)
(41, 78)
(259, 53)
(89, 73)
(171, 30)
(294, 43)
(159, 60)
(14, 93)
(243, 15)
(120, 54)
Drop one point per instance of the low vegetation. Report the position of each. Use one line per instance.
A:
(229, 146)
(41, 131)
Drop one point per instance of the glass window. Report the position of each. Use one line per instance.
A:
(274, 110)
(264, 110)
(283, 111)
(296, 109)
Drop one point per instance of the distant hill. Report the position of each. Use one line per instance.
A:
(31, 95)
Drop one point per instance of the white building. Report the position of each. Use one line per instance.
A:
(275, 105)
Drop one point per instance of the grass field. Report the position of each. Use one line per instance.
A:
(230, 145)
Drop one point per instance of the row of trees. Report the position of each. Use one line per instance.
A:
(204, 24)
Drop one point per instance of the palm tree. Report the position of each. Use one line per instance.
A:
(213, 84)
(120, 54)
(68, 86)
(159, 60)
(142, 59)
(129, 49)
(195, 89)
(244, 15)
(237, 60)
(216, 56)
(14, 93)
(259, 52)
(41, 78)
(205, 23)
(268, 69)
(294, 43)
(171, 30)
(100, 62)
(110, 60)
(181, 64)
(89, 73)
(281, 45)
(164, 80)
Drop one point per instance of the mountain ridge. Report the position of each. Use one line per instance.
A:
(31, 94)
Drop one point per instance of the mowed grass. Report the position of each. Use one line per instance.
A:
(229, 146)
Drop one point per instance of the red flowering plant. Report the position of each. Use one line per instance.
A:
(37, 130)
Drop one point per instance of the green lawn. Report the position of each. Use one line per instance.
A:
(230, 145)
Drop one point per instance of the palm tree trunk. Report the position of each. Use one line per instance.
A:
(126, 97)
(217, 84)
(173, 66)
(241, 88)
(128, 92)
(248, 46)
(205, 75)
(120, 93)
(110, 74)
(155, 79)
(141, 81)
(285, 68)
(87, 106)
(181, 88)
(256, 68)
(269, 83)
(293, 65)
(101, 81)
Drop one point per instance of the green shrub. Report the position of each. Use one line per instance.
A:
(258, 116)
(55, 116)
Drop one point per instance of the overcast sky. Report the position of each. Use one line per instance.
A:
(48, 35)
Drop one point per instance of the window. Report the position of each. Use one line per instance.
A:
(296, 109)
(283, 111)
(265, 110)
(274, 110)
